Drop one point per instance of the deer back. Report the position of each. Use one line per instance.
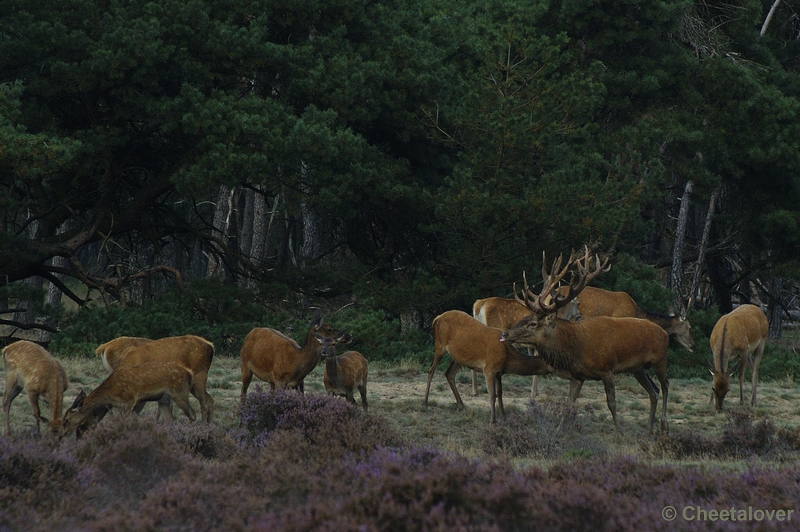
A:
(111, 352)
(747, 327)
(598, 302)
(193, 352)
(345, 372)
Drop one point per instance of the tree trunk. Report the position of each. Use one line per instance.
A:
(309, 247)
(775, 308)
(769, 17)
(701, 255)
(259, 227)
(676, 272)
(222, 216)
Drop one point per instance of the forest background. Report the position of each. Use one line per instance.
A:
(187, 166)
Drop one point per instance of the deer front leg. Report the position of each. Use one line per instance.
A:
(450, 374)
(611, 399)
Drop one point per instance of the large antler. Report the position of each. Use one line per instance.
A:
(549, 300)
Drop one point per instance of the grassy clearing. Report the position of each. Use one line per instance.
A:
(396, 393)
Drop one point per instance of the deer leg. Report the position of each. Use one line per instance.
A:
(611, 398)
(437, 357)
(182, 400)
(247, 376)
(474, 383)
(363, 391)
(449, 374)
(165, 408)
(742, 367)
(491, 386)
(650, 387)
(575, 386)
(499, 392)
(13, 389)
(33, 398)
(756, 361)
(535, 386)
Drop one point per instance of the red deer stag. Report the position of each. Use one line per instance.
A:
(28, 366)
(593, 349)
(598, 302)
(502, 313)
(741, 336)
(127, 387)
(475, 346)
(275, 358)
(193, 352)
(344, 373)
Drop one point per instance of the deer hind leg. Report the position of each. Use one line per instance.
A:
(742, 368)
(199, 390)
(247, 377)
(474, 383)
(33, 398)
(759, 352)
(450, 376)
(362, 389)
(651, 389)
(13, 389)
(438, 353)
(182, 400)
(611, 399)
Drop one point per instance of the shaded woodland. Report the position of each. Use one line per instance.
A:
(410, 155)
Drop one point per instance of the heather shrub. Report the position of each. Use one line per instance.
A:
(205, 440)
(127, 455)
(543, 430)
(322, 420)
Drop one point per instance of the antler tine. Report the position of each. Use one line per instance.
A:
(584, 276)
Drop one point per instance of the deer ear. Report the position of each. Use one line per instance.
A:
(316, 321)
(79, 400)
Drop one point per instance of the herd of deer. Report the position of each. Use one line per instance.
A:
(574, 331)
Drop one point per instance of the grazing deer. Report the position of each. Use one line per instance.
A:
(740, 336)
(110, 352)
(475, 346)
(593, 349)
(127, 387)
(193, 352)
(275, 358)
(502, 313)
(598, 302)
(30, 367)
(344, 373)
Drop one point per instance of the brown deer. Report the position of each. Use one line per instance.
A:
(110, 352)
(30, 367)
(193, 352)
(740, 336)
(344, 373)
(596, 348)
(473, 345)
(279, 360)
(127, 387)
(598, 302)
(502, 313)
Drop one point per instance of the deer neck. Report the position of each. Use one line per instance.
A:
(519, 364)
(562, 347)
(311, 351)
(332, 368)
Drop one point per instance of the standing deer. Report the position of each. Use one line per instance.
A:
(598, 302)
(30, 367)
(193, 352)
(275, 358)
(502, 313)
(110, 352)
(344, 373)
(593, 349)
(475, 346)
(739, 335)
(127, 387)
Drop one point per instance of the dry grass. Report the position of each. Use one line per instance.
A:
(396, 393)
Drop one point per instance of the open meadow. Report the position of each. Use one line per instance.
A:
(314, 463)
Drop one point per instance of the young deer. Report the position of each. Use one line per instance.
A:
(344, 373)
(473, 345)
(502, 313)
(595, 348)
(278, 359)
(740, 336)
(193, 352)
(28, 366)
(127, 387)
